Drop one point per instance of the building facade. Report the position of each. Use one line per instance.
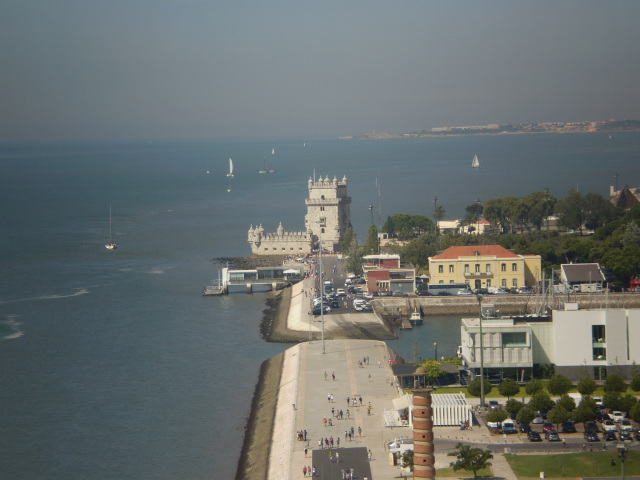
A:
(385, 273)
(328, 216)
(484, 266)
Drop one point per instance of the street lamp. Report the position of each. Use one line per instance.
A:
(479, 297)
(622, 453)
(435, 350)
(321, 291)
(435, 212)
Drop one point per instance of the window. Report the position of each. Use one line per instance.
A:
(440, 269)
(466, 269)
(599, 373)
(488, 269)
(598, 334)
(512, 339)
(514, 283)
(514, 267)
(451, 269)
(599, 353)
(504, 283)
(322, 208)
(503, 267)
(477, 268)
(441, 281)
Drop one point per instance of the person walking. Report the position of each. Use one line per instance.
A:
(369, 454)
(304, 471)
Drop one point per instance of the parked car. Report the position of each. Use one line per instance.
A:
(538, 420)
(525, 428)
(598, 401)
(341, 292)
(610, 436)
(617, 416)
(591, 437)
(637, 435)
(534, 436)
(547, 427)
(625, 426)
(399, 294)
(568, 427)
(509, 428)
(609, 426)
(552, 436)
(590, 427)
(464, 292)
(625, 435)
(493, 405)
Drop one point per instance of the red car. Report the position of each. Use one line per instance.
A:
(547, 427)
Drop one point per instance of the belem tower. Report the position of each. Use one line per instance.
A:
(327, 218)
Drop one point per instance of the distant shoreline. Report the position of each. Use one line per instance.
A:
(610, 126)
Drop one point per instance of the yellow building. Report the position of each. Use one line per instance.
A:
(484, 266)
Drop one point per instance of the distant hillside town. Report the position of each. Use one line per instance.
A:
(514, 129)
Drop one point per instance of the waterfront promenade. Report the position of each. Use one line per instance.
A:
(303, 403)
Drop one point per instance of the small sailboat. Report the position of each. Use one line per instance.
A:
(110, 245)
(265, 169)
(475, 163)
(415, 318)
(230, 174)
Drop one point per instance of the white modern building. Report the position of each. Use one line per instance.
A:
(577, 342)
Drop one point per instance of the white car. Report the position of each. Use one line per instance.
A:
(625, 425)
(617, 416)
(609, 426)
(464, 292)
(341, 292)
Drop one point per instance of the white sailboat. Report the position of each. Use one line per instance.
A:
(110, 245)
(475, 163)
(265, 169)
(230, 174)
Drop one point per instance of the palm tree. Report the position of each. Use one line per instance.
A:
(438, 214)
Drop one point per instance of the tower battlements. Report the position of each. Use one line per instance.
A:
(327, 218)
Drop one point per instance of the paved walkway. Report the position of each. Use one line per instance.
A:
(311, 377)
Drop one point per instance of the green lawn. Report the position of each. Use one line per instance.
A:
(572, 465)
(448, 472)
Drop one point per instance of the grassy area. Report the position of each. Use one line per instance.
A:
(495, 394)
(572, 465)
(448, 472)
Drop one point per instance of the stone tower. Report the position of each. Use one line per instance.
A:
(423, 448)
(328, 211)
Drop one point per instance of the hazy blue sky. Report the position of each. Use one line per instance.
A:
(111, 69)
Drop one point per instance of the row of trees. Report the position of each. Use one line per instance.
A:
(615, 397)
(615, 244)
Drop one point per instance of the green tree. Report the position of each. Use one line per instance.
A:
(541, 401)
(525, 415)
(559, 385)
(533, 386)
(497, 416)
(432, 369)
(615, 383)
(570, 211)
(635, 412)
(583, 413)
(349, 241)
(627, 402)
(587, 385)
(566, 402)
(407, 460)
(508, 388)
(438, 214)
(635, 383)
(558, 415)
(417, 252)
(611, 400)
(353, 263)
(470, 459)
(372, 245)
(474, 387)
(598, 211)
(513, 405)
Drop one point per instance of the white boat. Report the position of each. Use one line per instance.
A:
(110, 245)
(475, 163)
(415, 318)
(230, 174)
(265, 169)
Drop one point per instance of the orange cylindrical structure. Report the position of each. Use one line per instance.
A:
(423, 448)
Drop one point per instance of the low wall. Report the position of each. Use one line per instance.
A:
(505, 304)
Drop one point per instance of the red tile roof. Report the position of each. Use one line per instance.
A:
(453, 253)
